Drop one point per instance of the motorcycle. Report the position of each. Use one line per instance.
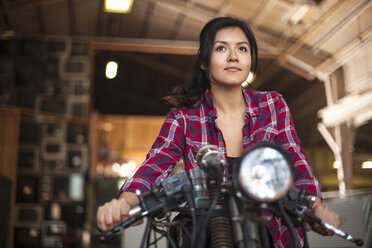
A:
(226, 210)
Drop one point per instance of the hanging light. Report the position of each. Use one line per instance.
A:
(367, 164)
(111, 69)
(336, 164)
(118, 6)
(249, 80)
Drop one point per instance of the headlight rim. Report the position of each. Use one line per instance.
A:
(245, 194)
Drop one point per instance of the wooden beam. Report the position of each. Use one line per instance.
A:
(147, 20)
(346, 133)
(312, 31)
(344, 54)
(41, 21)
(295, 69)
(148, 46)
(262, 13)
(189, 9)
(72, 19)
(342, 139)
(359, 8)
(46, 115)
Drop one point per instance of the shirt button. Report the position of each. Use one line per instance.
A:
(245, 137)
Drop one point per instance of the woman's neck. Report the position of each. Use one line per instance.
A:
(228, 101)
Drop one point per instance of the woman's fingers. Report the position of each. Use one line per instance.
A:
(112, 213)
(328, 216)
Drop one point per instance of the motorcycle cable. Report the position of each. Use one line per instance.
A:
(146, 234)
(163, 233)
(191, 203)
(289, 223)
(154, 224)
(306, 240)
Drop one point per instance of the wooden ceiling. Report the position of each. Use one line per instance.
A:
(155, 44)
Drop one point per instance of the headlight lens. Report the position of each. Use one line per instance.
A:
(265, 173)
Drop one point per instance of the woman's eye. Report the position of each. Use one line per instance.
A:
(243, 49)
(220, 48)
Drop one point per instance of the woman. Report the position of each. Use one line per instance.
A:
(215, 109)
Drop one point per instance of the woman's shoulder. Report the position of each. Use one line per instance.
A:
(186, 112)
(194, 109)
(263, 96)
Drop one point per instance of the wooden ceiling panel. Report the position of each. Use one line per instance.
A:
(56, 17)
(190, 29)
(274, 19)
(212, 5)
(346, 12)
(365, 19)
(342, 38)
(25, 21)
(326, 28)
(163, 21)
(132, 23)
(245, 10)
(86, 15)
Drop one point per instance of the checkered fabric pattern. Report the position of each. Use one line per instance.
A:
(186, 130)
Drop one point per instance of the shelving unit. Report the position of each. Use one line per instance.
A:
(45, 110)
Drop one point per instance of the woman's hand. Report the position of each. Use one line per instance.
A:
(325, 214)
(116, 211)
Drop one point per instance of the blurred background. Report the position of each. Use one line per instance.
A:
(80, 102)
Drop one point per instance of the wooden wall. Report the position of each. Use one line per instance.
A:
(125, 137)
(9, 133)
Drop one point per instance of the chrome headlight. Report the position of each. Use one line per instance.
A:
(264, 173)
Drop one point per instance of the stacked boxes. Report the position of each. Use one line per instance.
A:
(50, 76)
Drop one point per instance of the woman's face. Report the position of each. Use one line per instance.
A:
(230, 60)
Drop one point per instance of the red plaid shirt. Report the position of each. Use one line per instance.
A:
(186, 130)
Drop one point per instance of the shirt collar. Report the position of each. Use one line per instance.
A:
(251, 104)
(209, 105)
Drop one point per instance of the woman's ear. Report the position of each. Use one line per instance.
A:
(202, 66)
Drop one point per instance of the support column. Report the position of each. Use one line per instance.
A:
(339, 137)
(346, 133)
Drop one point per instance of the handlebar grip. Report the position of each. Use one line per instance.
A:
(125, 224)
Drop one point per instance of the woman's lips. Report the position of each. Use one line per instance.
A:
(232, 68)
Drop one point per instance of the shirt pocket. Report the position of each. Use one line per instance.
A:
(264, 134)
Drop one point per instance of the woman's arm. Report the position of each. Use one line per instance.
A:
(164, 154)
(288, 139)
(304, 178)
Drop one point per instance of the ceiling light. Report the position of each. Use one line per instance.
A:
(299, 14)
(367, 164)
(336, 164)
(118, 6)
(111, 69)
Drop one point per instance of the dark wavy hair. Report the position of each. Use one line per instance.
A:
(193, 92)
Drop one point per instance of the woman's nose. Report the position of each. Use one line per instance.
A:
(232, 57)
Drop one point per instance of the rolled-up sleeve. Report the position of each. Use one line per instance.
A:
(166, 151)
(288, 139)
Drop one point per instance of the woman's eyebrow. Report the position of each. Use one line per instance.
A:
(225, 42)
